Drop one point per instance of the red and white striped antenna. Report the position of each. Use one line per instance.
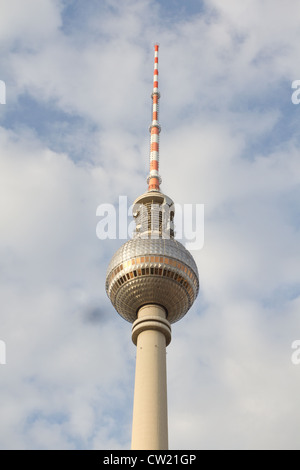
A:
(154, 180)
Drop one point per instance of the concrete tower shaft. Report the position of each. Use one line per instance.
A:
(151, 333)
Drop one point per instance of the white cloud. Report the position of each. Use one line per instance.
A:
(26, 25)
(53, 299)
(227, 141)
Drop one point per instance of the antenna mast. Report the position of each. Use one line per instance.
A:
(154, 179)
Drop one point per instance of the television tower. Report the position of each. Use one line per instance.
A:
(152, 281)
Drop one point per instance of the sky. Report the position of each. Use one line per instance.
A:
(74, 135)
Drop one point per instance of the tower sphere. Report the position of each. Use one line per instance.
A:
(152, 267)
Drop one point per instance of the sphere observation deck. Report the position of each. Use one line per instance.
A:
(152, 267)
